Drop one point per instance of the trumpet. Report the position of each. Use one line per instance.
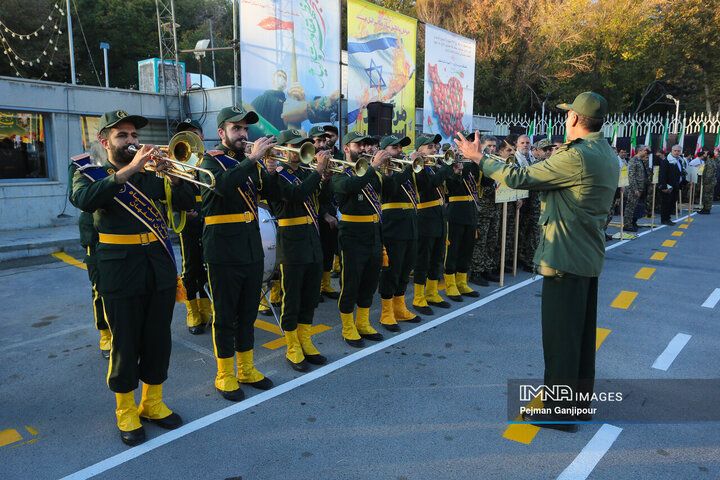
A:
(338, 166)
(306, 152)
(486, 154)
(179, 153)
(448, 158)
(398, 164)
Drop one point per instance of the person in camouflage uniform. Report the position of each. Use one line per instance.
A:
(637, 175)
(709, 179)
(486, 242)
(529, 235)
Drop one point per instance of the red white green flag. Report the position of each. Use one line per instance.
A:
(666, 131)
(700, 141)
(633, 141)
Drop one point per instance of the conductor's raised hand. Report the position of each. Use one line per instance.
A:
(468, 149)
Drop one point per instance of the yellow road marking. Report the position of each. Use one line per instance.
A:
(669, 243)
(684, 225)
(524, 432)
(68, 259)
(645, 273)
(658, 256)
(689, 219)
(677, 233)
(9, 436)
(280, 342)
(268, 327)
(31, 430)
(624, 299)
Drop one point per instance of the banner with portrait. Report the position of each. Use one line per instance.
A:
(449, 83)
(381, 66)
(290, 63)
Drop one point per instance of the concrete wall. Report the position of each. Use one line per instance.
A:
(38, 202)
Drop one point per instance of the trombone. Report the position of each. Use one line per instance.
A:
(178, 154)
(306, 152)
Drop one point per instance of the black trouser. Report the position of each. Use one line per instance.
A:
(141, 342)
(300, 284)
(667, 205)
(235, 291)
(459, 247)
(361, 265)
(430, 259)
(569, 325)
(194, 275)
(401, 261)
(98, 309)
(329, 244)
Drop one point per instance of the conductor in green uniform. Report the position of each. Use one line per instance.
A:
(358, 196)
(299, 252)
(137, 273)
(232, 246)
(577, 183)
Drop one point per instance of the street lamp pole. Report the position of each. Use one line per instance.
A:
(677, 111)
(105, 47)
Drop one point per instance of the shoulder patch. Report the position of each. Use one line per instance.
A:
(80, 157)
(89, 166)
(214, 153)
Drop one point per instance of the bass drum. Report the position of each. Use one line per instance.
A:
(268, 233)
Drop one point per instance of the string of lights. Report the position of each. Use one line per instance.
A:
(16, 57)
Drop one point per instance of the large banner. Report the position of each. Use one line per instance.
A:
(381, 65)
(449, 82)
(290, 61)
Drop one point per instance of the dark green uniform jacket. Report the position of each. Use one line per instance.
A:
(124, 270)
(351, 201)
(297, 244)
(399, 223)
(430, 183)
(578, 183)
(463, 212)
(236, 243)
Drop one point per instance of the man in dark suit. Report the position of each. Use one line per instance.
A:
(669, 183)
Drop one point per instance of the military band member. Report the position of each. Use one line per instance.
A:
(360, 238)
(137, 275)
(485, 260)
(327, 215)
(399, 230)
(194, 275)
(298, 249)
(462, 215)
(233, 248)
(432, 227)
(88, 240)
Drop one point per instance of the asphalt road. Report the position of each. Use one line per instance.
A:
(429, 402)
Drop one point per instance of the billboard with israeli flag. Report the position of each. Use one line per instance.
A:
(381, 65)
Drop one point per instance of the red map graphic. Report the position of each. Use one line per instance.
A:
(447, 102)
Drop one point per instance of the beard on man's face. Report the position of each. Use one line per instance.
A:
(121, 154)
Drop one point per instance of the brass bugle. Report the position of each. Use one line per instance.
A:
(179, 152)
(486, 154)
(306, 152)
(338, 166)
(398, 164)
(448, 158)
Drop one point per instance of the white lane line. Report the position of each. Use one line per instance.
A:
(47, 337)
(187, 429)
(667, 357)
(178, 339)
(588, 458)
(712, 300)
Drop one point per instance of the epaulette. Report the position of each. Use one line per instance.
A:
(214, 153)
(88, 167)
(80, 157)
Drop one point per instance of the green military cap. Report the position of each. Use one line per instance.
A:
(543, 143)
(188, 123)
(354, 137)
(317, 132)
(589, 104)
(394, 140)
(426, 139)
(467, 134)
(110, 119)
(235, 114)
(291, 136)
